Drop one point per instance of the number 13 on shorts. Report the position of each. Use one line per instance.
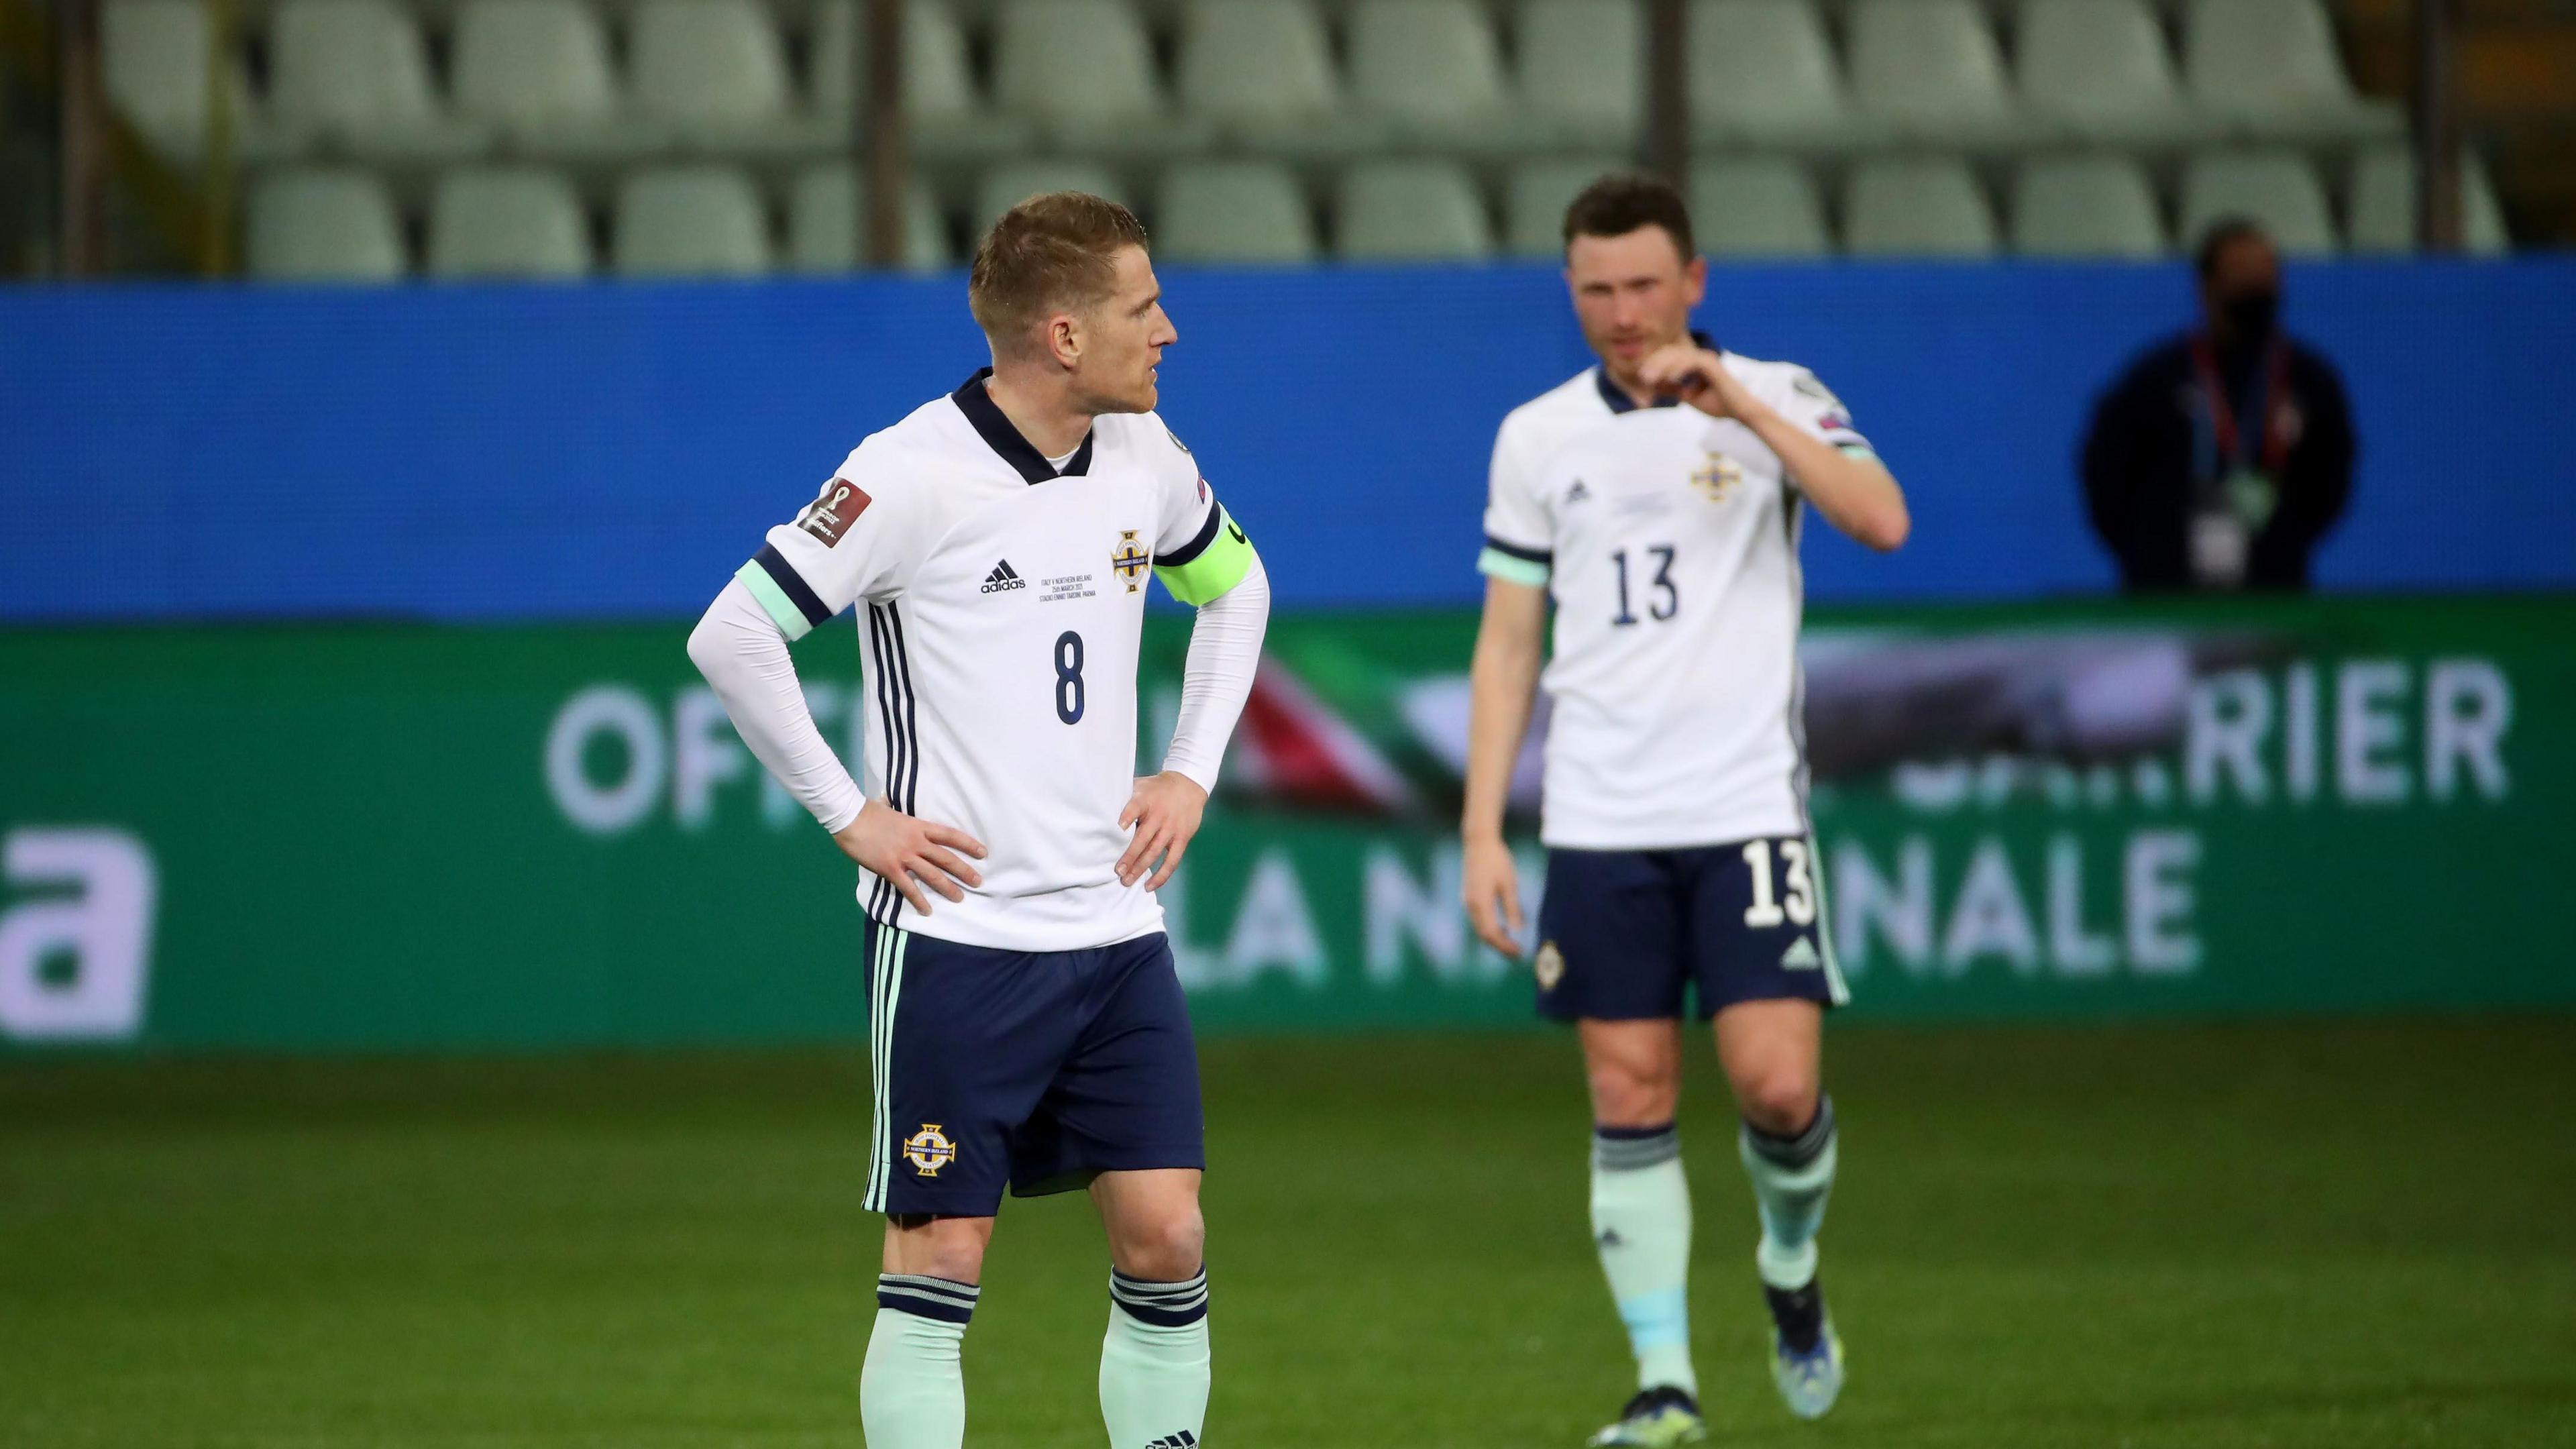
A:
(1793, 898)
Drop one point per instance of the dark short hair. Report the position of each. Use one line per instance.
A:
(1051, 251)
(1621, 202)
(2221, 234)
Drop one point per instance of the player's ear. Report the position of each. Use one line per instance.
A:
(1064, 340)
(1695, 279)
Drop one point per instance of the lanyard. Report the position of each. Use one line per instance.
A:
(2222, 415)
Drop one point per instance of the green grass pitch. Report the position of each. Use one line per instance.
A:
(2346, 1235)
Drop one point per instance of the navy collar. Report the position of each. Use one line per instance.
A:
(1617, 397)
(998, 434)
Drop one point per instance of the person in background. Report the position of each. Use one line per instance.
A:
(2221, 457)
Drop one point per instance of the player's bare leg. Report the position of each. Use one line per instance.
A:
(1154, 1359)
(1773, 1052)
(912, 1393)
(1641, 1220)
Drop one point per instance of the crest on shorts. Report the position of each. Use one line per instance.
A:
(1549, 965)
(929, 1150)
(1717, 477)
(1130, 559)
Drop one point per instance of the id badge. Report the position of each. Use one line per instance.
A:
(2219, 543)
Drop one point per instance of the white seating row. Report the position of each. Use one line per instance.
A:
(712, 219)
(1256, 76)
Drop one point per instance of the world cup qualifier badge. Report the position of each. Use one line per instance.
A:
(929, 1150)
(833, 511)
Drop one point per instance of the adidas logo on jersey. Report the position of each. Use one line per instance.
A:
(1182, 1440)
(1578, 492)
(1003, 579)
(1802, 956)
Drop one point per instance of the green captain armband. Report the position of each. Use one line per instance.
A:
(1209, 564)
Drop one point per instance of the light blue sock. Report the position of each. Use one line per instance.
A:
(912, 1394)
(1792, 1178)
(1641, 1224)
(1154, 1371)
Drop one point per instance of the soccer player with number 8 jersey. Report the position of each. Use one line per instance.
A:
(1656, 499)
(1026, 1020)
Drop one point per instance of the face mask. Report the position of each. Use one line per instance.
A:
(2251, 315)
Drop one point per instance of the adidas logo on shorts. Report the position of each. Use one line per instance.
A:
(1003, 578)
(1802, 956)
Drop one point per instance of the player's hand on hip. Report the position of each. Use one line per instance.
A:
(908, 853)
(1165, 813)
(1697, 376)
(1494, 894)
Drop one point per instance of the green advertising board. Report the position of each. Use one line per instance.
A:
(397, 837)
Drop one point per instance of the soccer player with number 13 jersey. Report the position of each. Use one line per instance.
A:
(1656, 498)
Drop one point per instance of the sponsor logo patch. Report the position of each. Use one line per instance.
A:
(1578, 492)
(1003, 579)
(832, 512)
(929, 1150)
(1548, 965)
(1801, 956)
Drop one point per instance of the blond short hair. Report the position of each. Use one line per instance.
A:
(1050, 253)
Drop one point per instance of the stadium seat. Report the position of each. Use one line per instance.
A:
(155, 58)
(1762, 70)
(334, 225)
(538, 69)
(1011, 183)
(1757, 207)
(2085, 206)
(2270, 67)
(1930, 68)
(1583, 69)
(690, 221)
(1233, 211)
(2277, 190)
(1433, 71)
(507, 221)
(1084, 71)
(1536, 196)
(949, 122)
(2382, 216)
(1410, 211)
(1916, 207)
(715, 70)
(1262, 71)
(354, 75)
(823, 219)
(2098, 69)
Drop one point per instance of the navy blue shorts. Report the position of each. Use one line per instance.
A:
(1035, 1070)
(1622, 932)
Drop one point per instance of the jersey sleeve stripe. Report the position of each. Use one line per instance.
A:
(1523, 552)
(1181, 557)
(781, 609)
(789, 582)
(1511, 569)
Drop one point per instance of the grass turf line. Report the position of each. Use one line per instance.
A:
(2349, 1234)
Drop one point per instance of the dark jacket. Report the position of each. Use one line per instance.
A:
(2151, 441)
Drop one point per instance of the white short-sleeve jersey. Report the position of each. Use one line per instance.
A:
(1669, 540)
(1000, 606)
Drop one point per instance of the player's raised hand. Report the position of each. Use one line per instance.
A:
(1494, 894)
(1165, 812)
(1697, 376)
(908, 853)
